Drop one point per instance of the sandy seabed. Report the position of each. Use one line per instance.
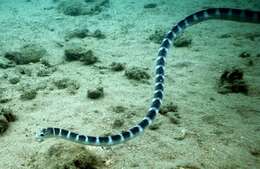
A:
(213, 130)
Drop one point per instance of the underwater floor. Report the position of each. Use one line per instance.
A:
(88, 66)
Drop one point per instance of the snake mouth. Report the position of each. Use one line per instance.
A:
(39, 136)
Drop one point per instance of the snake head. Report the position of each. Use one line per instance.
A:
(40, 134)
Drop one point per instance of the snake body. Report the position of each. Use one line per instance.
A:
(197, 17)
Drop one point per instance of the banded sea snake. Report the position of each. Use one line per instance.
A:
(211, 13)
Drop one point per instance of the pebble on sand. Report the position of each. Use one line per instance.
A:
(88, 58)
(137, 73)
(28, 94)
(82, 7)
(115, 66)
(64, 83)
(183, 41)
(65, 156)
(3, 124)
(95, 93)
(30, 53)
(8, 114)
(231, 81)
(77, 52)
(14, 79)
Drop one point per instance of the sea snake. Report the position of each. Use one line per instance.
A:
(197, 17)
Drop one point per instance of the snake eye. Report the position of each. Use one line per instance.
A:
(41, 134)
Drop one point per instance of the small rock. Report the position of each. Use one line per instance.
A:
(231, 75)
(8, 114)
(183, 41)
(231, 81)
(95, 93)
(88, 58)
(150, 5)
(3, 125)
(155, 126)
(29, 53)
(98, 34)
(225, 36)
(41, 85)
(82, 7)
(12, 55)
(73, 87)
(174, 120)
(24, 70)
(5, 100)
(28, 94)
(137, 73)
(157, 36)
(66, 83)
(77, 33)
(212, 99)
(119, 109)
(244, 55)
(74, 52)
(250, 63)
(45, 71)
(181, 136)
(82, 33)
(45, 62)
(4, 96)
(62, 83)
(14, 79)
(117, 66)
(168, 108)
(5, 63)
(67, 156)
(255, 152)
(72, 8)
(118, 123)
(5, 76)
